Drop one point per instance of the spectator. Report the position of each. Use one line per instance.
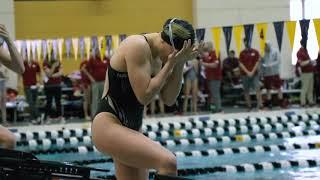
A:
(31, 77)
(86, 88)
(97, 70)
(305, 70)
(13, 61)
(231, 70)
(191, 84)
(213, 75)
(270, 71)
(52, 87)
(249, 65)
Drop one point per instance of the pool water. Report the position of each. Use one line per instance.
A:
(198, 161)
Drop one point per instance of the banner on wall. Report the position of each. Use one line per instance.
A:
(87, 46)
(82, 46)
(317, 28)
(122, 37)
(228, 36)
(68, 47)
(75, 45)
(278, 28)
(60, 48)
(102, 46)
(200, 34)
(115, 42)
(238, 31)
(39, 50)
(262, 31)
(109, 44)
(291, 29)
(248, 32)
(216, 32)
(28, 43)
(304, 25)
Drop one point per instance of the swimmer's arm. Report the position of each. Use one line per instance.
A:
(138, 67)
(13, 61)
(171, 89)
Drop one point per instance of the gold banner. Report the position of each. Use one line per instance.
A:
(216, 33)
(238, 33)
(262, 32)
(291, 28)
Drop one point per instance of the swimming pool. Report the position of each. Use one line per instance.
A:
(266, 146)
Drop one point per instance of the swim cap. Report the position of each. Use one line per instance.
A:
(176, 31)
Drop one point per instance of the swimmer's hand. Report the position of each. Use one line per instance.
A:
(188, 52)
(4, 33)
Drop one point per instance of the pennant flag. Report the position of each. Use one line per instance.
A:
(216, 32)
(304, 25)
(102, 45)
(75, 45)
(238, 31)
(248, 31)
(228, 36)
(291, 28)
(68, 47)
(39, 49)
(317, 28)
(87, 42)
(44, 49)
(60, 48)
(24, 49)
(34, 49)
(115, 41)
(109, 44)
(122, 37)
(49, 47)
(278, 28)
(18, 45)
(82, 45)
(200, 34)
(262, 30)
(83, 42)
(55, 48)
(28, 43)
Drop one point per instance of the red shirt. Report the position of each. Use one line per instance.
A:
(249, 58)
(84, 78)
(30, 74)
(97, 69)
(303, 55)
(51, 80)
(213, 73)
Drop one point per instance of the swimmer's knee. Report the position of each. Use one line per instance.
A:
(9, 141)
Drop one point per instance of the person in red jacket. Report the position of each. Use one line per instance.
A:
(86, 88)
(52, 86)
(305, 69)
(97, 70)
(249, 62)
(31, 77)
(213, 72)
